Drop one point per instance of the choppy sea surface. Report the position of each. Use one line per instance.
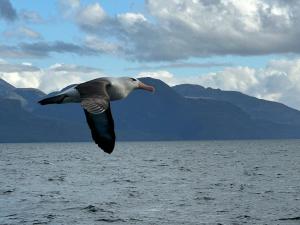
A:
(151, 183)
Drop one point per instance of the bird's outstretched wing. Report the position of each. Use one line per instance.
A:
(95, 102)
(102, 129)
(95, 105)
(93, 95)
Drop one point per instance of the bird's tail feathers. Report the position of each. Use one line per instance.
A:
(53, 100)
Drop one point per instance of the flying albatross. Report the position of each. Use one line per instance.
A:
(94, 97)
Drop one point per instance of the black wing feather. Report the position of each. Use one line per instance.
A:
(102, 129)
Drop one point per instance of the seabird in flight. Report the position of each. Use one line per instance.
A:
(94, 97)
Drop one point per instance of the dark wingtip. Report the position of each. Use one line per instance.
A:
(107, 147)
(42, 102)
(102, 129)
(108, 152)
(52, 100)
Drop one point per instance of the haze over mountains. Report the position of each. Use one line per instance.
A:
(183, 112)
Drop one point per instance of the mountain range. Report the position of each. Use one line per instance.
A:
(182, 112)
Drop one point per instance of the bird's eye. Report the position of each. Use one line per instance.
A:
(133, 79)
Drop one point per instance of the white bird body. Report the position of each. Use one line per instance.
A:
(116, 90)
(94, 97)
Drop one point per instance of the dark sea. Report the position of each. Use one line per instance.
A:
(151, 183)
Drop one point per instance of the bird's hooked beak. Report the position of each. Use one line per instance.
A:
(146, 87)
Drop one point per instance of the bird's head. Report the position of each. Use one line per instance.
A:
(136, 84)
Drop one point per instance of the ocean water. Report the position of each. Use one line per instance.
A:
(151, 183)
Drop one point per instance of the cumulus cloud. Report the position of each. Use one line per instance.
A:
(184, 29)
(91, 46)
(21, 33)
(99, 45)
(130, 19)
(31, 16)
(49, 79)
(68, 8)
(44, 48)
(37, 49)
(59, 76)
(7, 11)
(91, 16)
(69, 3)
(180, 65)
(11, 68)
(163, 75)
(278, 81)
(174, 30)
(27, 32)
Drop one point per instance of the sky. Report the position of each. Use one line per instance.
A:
(250, 46)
